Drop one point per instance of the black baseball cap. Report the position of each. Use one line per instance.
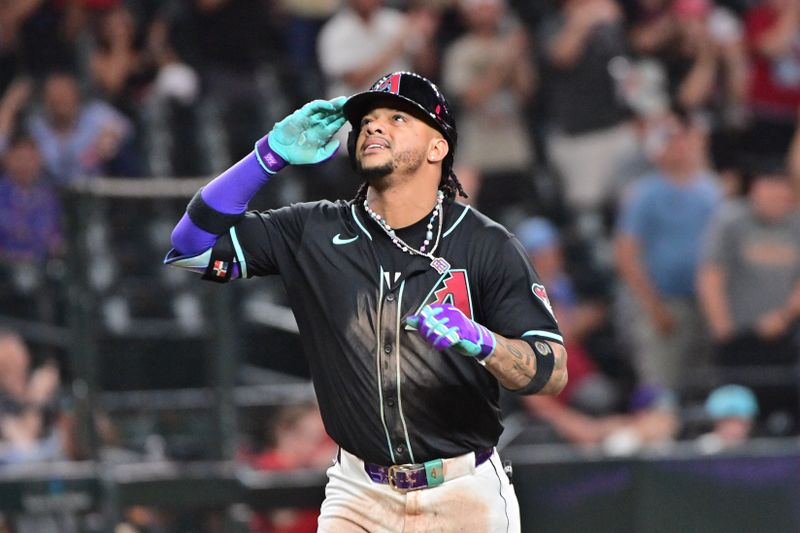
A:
(409, 88)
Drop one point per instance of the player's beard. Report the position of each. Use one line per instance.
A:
(406, 162)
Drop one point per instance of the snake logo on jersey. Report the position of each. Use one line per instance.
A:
(540, 292)
(452, 288)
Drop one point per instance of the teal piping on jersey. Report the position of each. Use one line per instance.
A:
(355, 217)
(378, 363)
(238, 248)
(397, 358)
(469, 298)
(545, 334)
(457, 222)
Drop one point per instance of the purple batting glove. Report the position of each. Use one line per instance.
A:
(445, 326)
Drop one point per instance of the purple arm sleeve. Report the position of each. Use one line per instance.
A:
(228, 193)
(188, 239)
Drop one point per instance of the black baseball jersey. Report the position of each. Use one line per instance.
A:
(385, 395)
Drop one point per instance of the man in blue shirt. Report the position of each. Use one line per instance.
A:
(30, 228)
(657, 247)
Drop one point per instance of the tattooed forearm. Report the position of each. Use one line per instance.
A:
(523, 364)
(514, 365)
(559, 378)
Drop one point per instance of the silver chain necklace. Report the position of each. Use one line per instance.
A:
(439, 264)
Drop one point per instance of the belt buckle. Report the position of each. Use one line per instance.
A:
(392, 477)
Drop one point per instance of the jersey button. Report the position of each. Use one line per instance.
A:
(390, 297)
(400, 448)
(390, 402)
(387, 347)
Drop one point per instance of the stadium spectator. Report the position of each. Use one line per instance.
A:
(304, 21)
(593, 410)
(298, 441)
(365, 40)
(38, 37)
(30, 228)
(589, 131)
(30, 217)
(489, 72)
(749, 285)
(171, 128)
(228, 42)
(649, 420)
(30, 426)
(140, 519)
(701, 47)
(82, 138)
(773, 28)
(26, 405)
(732, 410)
(657, 248)
(118, 63)
(578, 317)
(12, 105)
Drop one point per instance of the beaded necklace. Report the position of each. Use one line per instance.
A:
(437, 263)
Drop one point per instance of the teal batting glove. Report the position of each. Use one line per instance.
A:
(306, 136)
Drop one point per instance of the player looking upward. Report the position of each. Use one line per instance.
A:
(413, 309)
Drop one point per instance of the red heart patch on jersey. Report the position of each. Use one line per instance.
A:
(540, 292)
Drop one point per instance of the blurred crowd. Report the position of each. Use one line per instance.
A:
(645, 152)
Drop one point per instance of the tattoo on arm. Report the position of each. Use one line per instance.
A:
(522, 362)
(514, 365)
(559, 378)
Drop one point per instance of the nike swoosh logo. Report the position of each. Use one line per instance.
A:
(337, 239)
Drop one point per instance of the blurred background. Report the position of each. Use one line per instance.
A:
(645, 152)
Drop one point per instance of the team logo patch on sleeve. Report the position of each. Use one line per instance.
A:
(540, 292)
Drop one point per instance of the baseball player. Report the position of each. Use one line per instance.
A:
(413, 308)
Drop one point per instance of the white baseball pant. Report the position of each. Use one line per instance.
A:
(471, 500)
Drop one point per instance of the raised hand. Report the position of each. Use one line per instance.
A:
(307, 136)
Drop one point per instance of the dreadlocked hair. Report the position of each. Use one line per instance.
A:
(449, 185)
(452, 187)
(361, 194)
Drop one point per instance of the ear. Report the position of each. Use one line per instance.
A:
(438, 149)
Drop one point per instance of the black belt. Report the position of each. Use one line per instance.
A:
(417, 476)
